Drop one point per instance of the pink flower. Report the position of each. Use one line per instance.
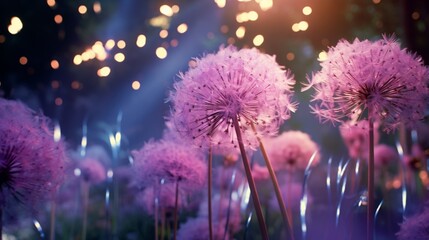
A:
(170, 161)
(291, 151)
(292, 193)
(31, 162)
(356, 138)
(166, 198)
(92, 170)
(384, 156)
(378, 77)
(244, 84)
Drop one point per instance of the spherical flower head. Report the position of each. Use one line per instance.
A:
(31, 162)
(245, 84)
(291, 150)
(376, 79)
(385, 156)
(198, 229)
(415, 227)
(260, 173)
(166, 198)
(356, 137)
(169, 161)
(92, 170)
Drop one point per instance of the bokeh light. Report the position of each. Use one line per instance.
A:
(15, 25)
(135, 85)
(55, 64)
(103, 72)
(161, 52)
(258, 40)
(141, 40)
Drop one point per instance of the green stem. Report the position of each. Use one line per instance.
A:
(251, 181)
(287, 218)
(210, 163)
(370, 209)
(176, 206)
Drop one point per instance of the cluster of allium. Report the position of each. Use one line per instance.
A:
(371, 79)
(31, 162)
(415, 227)
(92, 170)
(245, 84)
(291, 150)
(356, 137)
(170, 161)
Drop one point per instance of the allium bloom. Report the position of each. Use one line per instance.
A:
(197, 229)
(245, 84)
(356, 138)
(292, 193)
(166, 198)
(384, 156)
(376, 79)
(92, 170)
(31, 162)
(291, 150)
(170, 161)
(415, 227)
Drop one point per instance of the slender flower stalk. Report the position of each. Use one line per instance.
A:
(209, 197)
(376, 80)
(219, 100)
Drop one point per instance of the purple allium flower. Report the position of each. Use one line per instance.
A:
(415, 227)
(166, 198)
(170, 161)
(291, 150)
(92, 170)
(356, 138)
(31, 162)
(378, 77)
(260, 172)
(244, 84)
(384, 156)
(198, 229)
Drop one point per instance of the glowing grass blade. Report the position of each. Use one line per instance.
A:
(84, 141)
(39, 228)
(378, 209)
(338, 211)
(246, 227)
(304, 200)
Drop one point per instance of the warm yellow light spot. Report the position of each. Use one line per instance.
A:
(376, 1)
(160, 21)
(242, 17)
(55, 64)
(166, 10)
(121, 44)
(55, 84)
(323, 56)
(75, 85)
(110, 44)
(51, 3)
(258, 40)
(58, 101)
(303, 25)
(295, 27)
(265, 4)
(23, 60)
(103, 72)
(174, 43)
(161, 52)
(2, 38)
(15, 25)
(415, 15)
(135, 85)
(290, 56)
(175, 9)
(82, 9)
(96, 7)
(85, 56)
(241, 31)
(220, 3)
(396, 183)
(58, 19)
(307, 10)
(224, 29)
(253, 16)
(163, 33)
(182, 28)
(119, 57)
(97, 47)
(141, 40)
